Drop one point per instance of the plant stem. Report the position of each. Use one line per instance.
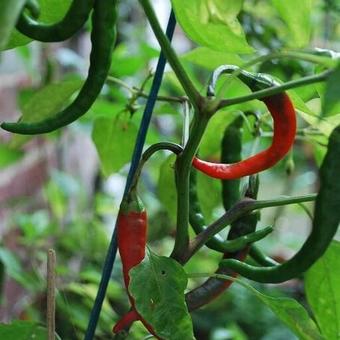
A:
(276, 89)
(183, 165)
(188, 86)
(238, 210)
(294, 55)
(175, 148)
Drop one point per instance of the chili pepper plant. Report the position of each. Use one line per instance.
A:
(254, 106)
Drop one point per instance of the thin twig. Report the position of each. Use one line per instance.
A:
(51, 278)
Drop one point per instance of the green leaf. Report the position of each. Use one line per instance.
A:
(127, 64)
(324, 124)
(288, 310)
(167, 188)
(322, 282)
(297, 17)
(114, 139)
(14, 269)
(45, 103)
(49, 100)
(8, 156)
(23, 330)
(211, 59)
(9, 13)
(211, 142)
(331, 97)
(11, 263)
(158, 285)
(51, 11)
(293, 315)
(208, 202)
(213, 24)
(299, 104)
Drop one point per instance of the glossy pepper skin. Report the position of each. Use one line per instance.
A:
(131, 236)
(283, 113)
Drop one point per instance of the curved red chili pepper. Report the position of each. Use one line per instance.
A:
(283, 113)
(131, 236)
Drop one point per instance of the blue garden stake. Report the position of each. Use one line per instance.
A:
(137, 153)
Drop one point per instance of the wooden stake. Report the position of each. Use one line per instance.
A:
(51, 276)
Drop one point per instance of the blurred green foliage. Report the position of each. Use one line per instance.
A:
(78, 227)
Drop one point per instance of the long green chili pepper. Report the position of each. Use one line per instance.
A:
(197, 222)
(324, 227)
(231, 153)
(103, 37)
(73, 20)
(256, 254)
(213, 287)
(33, 7)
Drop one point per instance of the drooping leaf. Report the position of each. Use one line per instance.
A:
(213, 24)
(322, 282)
(293, 315)
(9, 13)
(297, 17)
(46, 103)
(289, 311)
(158, 285)
(114, 139)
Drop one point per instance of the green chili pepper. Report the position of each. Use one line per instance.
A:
(103, 37)
(33, 7)
(198, 224)
(74, 19)
(256, 254)
(213, 287)
(325, 224)
(231, 153)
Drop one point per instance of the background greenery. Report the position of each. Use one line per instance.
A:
(73, 208)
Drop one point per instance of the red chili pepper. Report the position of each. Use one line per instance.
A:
(126, 321)
(131, 235)
(283, 113)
